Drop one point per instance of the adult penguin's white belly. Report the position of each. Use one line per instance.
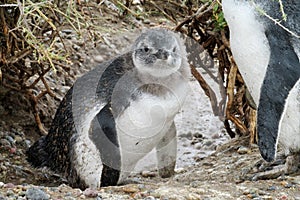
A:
(268, 59)
(290, 124)
(248, 42)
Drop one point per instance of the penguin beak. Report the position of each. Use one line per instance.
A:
(162, 54)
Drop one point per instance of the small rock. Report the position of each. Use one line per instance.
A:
(187, 135)
(9, 185)
(10, 193)
(136, 2)
(283, 197)
(150, 198)
(289, 185)
(130, 189)
(272, 188)
(180, 170)
(243, 150)
(12, 150)
(4, 143)
(59, 45)
(28, 143)
(208, 143)
(36, 194)
(266, 197)
(147, 174)
(1, 184)
(10, 139)
(147, 21)
(197, 135)
(296, 181)
(98, 58)
(67, 31)
(69, 198)
(195, 184)
(216, 136)
(252, 196)
(198, 146)
(90, 192)
(76, 47)
(18, 139)
(285, 184)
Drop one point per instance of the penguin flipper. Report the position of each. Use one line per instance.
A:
(166, 151)
(104, 136)
(282, 74)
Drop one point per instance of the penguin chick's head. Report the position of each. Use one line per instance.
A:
(157, 52)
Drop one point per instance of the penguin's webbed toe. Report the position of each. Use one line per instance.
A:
(283, 165)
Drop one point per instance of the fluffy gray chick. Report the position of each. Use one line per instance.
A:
(117, 113)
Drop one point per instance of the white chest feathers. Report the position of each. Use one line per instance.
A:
(145, 121)
(248, 42)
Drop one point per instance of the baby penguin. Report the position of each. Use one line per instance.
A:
(117, 113)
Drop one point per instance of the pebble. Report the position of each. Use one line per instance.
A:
(187, 135)
(150, 198)
(10, 139)
(67, 31)
(216, 136)
(1, 184)
(147, 21)
(69, 198)
(28, 143)
(180, 170)
(76, 47)
(198, 146)
(18, 139)
(130, 189)
(243, 150)
(147, 174)
(5, 143)
(208, 143)
(98, 58)
(9, 185)
(286, 184)
(36, 194)
(197, 135)
(90, 192)
(296, 181)
(267, 197)
(272, 188)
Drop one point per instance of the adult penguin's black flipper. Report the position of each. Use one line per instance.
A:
(282, 74)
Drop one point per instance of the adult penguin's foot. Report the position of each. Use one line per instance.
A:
(262, 170)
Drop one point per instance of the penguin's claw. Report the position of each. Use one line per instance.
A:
(263, 170)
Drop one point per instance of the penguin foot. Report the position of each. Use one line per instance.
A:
(167, 171)
(280, 167)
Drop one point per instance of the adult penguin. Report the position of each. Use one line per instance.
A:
(266, 48)
(117, 113)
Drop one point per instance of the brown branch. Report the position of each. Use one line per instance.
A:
(19, 56)
(252, 126)
(230, 94)
(207, 90)
(34, 103)
(197, 15)
(163, 12)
